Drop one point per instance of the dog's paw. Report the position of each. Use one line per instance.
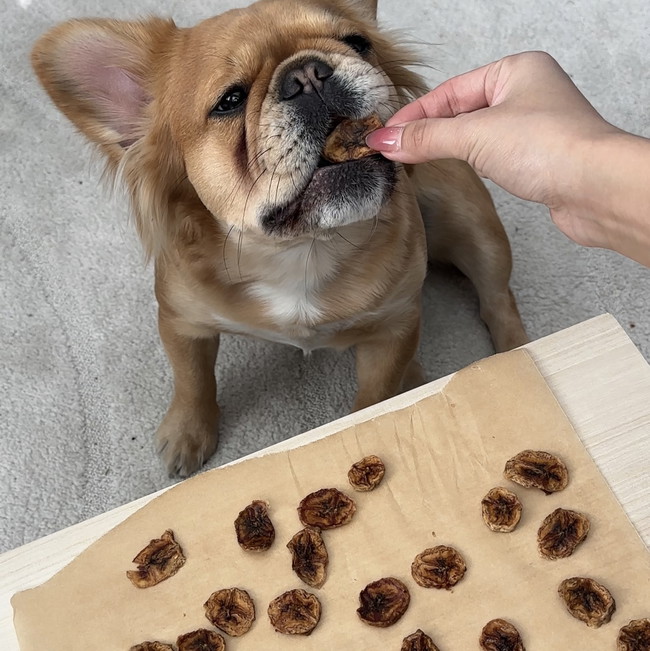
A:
(187, 438)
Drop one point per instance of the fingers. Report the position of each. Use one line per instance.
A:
(463, 94)
(419, 141)
(459, 118)
(479, 88)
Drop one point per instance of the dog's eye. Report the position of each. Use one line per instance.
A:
(230, 101)
(358, 43)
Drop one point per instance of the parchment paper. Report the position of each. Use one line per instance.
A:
(442, 455)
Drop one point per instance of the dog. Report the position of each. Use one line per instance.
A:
(217, 132)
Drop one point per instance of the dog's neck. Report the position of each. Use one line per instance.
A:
(289, 275)
(240, 279)
(291, 279)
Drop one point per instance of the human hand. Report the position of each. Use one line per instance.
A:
(519, 121)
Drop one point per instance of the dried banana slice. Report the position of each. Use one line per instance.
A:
(310, 556)
(501, 510)
(326, 509)
(159, 560)
(587, 600)
(366, 475)
(348, 141)
(382, 603)
(537, 469)
(201, 640)
(561, 532)
(635, 636)
(296, 612)
(438, 567)
(418, 641)
(500, 635)
(231, 610)
(255, 531)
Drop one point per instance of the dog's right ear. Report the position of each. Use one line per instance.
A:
(104, 75)
(100, 74)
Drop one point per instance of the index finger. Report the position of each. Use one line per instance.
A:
(462, 94)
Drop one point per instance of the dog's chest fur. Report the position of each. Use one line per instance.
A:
(291, 283)
(288, 287)
(294, 290)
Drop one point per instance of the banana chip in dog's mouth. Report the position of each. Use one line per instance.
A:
(348, 141)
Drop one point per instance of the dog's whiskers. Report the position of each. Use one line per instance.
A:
(243, 217)
(239, 249)
(224, 255)
(352, 244)
(241, 181)
(271, 183)
(311, 248)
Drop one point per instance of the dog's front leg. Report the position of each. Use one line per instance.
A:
(386, 364)
(187, 436)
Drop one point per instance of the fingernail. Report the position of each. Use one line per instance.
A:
(388, 139)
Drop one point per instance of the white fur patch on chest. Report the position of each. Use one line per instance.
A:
(292, 281)
(289, 290)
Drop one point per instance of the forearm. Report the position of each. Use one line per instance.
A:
(611, 203)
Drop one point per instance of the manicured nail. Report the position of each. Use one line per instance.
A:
(388, 139)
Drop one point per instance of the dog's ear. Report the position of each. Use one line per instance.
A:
(99, 73)
(103, 75)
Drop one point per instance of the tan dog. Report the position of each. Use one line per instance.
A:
(217, 132)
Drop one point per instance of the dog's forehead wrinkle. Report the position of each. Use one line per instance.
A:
(274, 27)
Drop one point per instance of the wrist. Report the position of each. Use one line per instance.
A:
(605, 201)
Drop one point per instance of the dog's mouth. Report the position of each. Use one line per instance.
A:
(323, 162)
(335, 122)
(325, 166)
(349, 178)
(344, 188)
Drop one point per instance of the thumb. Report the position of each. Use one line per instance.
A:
(420, 141)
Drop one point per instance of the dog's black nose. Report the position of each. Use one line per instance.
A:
(304, 78)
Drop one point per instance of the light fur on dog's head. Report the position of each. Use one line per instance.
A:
(148, 93)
